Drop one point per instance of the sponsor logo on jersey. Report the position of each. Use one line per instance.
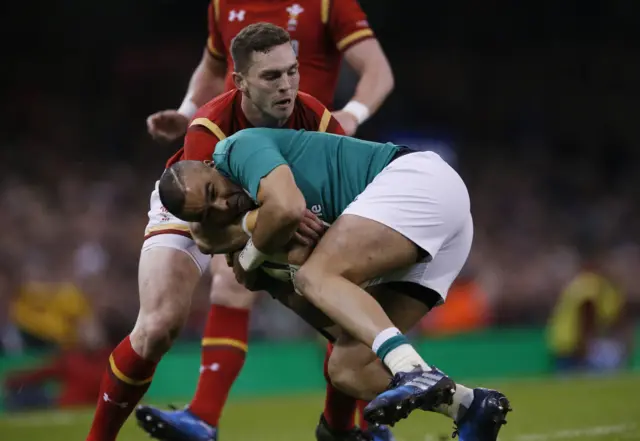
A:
(237, 15)
(294, 11)
(317, 210)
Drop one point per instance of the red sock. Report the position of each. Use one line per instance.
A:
(362, 423)
(224, 347)
(339, 408)
(125, 381)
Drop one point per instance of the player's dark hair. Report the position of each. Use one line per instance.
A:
(257, 37)
(171, 189)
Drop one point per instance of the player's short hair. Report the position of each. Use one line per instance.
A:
(257, 37)
(171, 189)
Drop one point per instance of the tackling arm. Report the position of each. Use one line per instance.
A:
(282, 208)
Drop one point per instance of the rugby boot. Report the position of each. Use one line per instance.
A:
(174, 425)
(380, 433)
(484, 417)
(408, 391)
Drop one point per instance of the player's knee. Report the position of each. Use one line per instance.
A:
(310, 277)
(307, 279)
(339, 373)
(343, 375)
(155, 332)
(357, 378)
(167, 278)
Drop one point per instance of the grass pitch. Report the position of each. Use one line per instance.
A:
(585, 408)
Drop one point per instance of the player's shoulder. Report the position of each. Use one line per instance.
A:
(311, 114)
(306, 103)
(217, 114)
(218, 107)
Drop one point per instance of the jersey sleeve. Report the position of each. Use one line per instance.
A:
(201, 139)
(327, 123)
(334, 126)
(199, 144)
(347, 23)
(215, 44)
(247, 159)
(317, 117)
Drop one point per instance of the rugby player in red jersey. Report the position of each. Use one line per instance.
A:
(323, 32)
(266, 75)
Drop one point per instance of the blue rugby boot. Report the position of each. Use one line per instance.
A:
(409, 391)
(484, 417)
(380, 433)
(174, 425)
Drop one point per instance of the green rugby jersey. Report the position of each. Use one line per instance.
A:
(330, 170)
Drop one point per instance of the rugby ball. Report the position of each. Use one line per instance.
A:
(276, 266)
(279, 271)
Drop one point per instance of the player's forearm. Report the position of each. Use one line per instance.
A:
(206, 83)
(275, 226)
(374, 86)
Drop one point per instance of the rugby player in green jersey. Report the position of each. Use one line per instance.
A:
(401, 228)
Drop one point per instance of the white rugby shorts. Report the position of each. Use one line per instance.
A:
(420, 196)
(166, 230)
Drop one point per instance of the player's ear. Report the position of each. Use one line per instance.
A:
(239, 81)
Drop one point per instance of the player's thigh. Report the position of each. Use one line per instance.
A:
(358, 249)
(225, 290)
(170, 261)
(167, 277)
(407, 213)
(170, 267)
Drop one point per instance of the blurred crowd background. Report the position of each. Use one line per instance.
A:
(534, 103)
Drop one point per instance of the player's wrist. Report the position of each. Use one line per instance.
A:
(188, 108)
(251, 257)
(358, 110)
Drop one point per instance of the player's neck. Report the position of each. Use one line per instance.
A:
(256, 117)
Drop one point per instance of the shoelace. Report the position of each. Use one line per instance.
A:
(396, 380)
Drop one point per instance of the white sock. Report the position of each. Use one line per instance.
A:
(404, 358)
(462, 399)
(396, 352)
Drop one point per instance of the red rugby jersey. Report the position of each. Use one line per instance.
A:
(320, 31)
(223, 116)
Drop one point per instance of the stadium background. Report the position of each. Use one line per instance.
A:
(534, 102)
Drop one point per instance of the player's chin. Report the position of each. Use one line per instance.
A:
(283, 108)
